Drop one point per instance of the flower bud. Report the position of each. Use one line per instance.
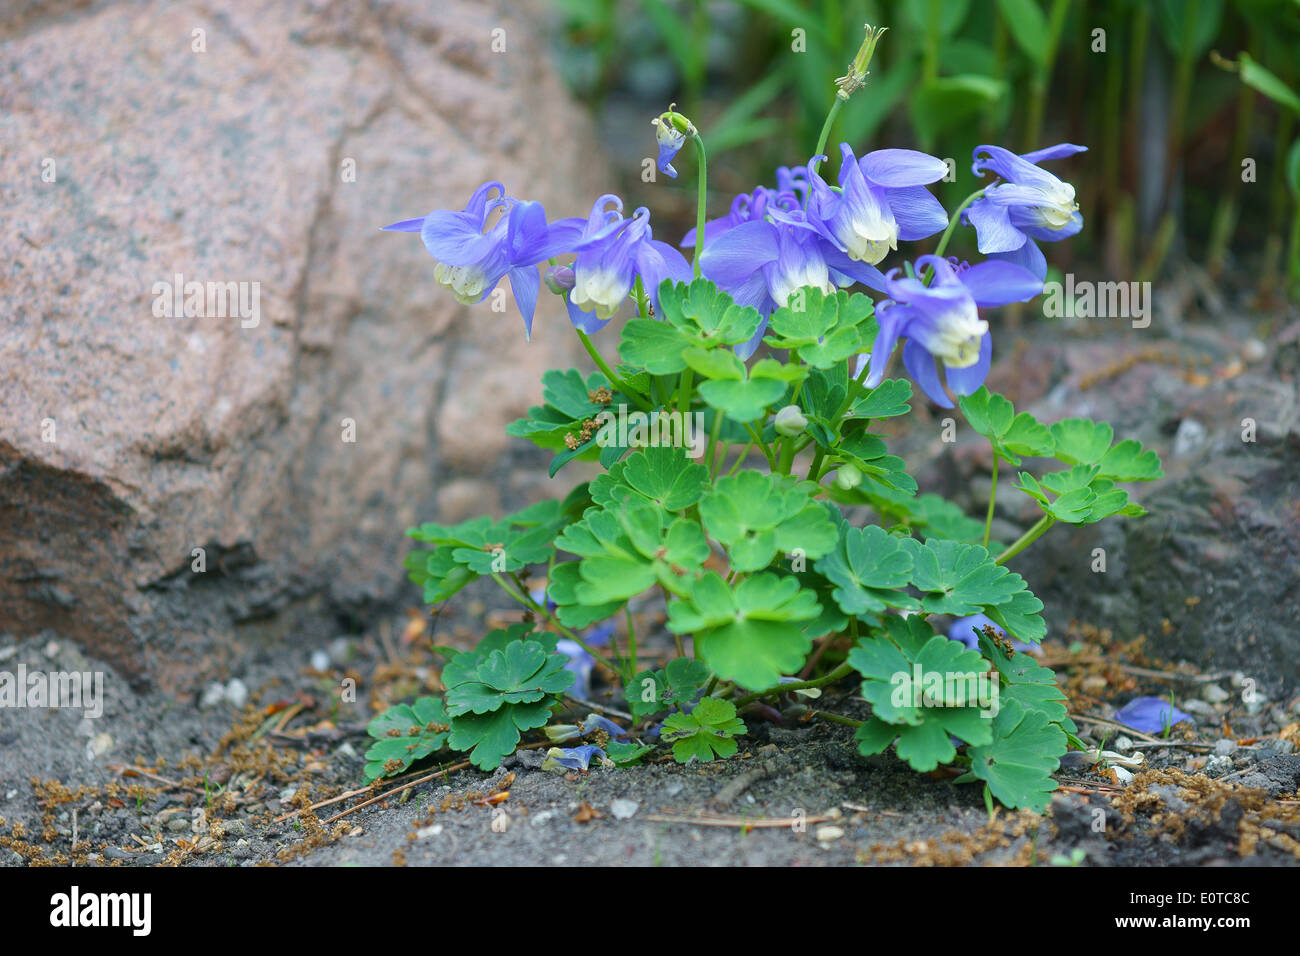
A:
(790, 421)
(848, 477)
(559, 279)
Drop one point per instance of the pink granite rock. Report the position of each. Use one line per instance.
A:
(266, 150)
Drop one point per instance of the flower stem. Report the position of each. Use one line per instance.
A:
(826, 132)
(617, 382)
(956, 218)
(1026, 539)
(700, 203)
(830, 678)
(993, 497)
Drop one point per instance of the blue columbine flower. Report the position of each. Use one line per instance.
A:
(1031, 204)
(779, 249)
(471, 261)
(941, 321)
(1150, 715)
(963, 631)
(670, 141)
(882, 199)
(612, 252)
(575, 758)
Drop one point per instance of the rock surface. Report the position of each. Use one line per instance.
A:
(265, 150)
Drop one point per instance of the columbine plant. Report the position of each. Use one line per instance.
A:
(770, 589)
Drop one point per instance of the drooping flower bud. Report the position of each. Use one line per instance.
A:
(848, 477)
(790, 421)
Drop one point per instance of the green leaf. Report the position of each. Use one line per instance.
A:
(959, 579)
(825, 329)
(676, 685)
(626, 753)
(1127, 461)
(405, 733)
(653, 345)
(755, 515)
(1028, 25)
(1018, 763)
(664, 475)
(868, 567)
(705, 315)
(886, 400)
(748, 636)
(1259, 78)
(1081, 441)
(943, 103)
(520, 673)
(489, 738)
(1011, 434)
(705, 732)
(921, 687)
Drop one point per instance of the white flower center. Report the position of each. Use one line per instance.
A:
(1059, 209)
(955, 340)
(465, 282)
(598, 289)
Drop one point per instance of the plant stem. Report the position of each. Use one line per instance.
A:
(532, 605)
(631, 642)
(952, 224)
(830, 678)
(617, 382)
(787, 456)
(1026, 539)
(744, 453)
(993, 497)
(685, 386)
(700, 203)
(710, 455)
(826, 132)
(813, 468)
(836, 718)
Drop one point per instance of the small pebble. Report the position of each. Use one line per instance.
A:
(1218, 764)
(1200, 708)
(178, 824)
(52, 649)
(213, 694)
(1189, 437)
(826, 834)
(1225, 747)
(1214, 694)
(320, 660)
(429, 831)
(1123, 743)
(1253, 350)
(541, 819)
(237, 693)
(623, 809)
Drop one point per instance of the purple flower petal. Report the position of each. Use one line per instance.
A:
(902, 167)
(996, 283)
(1150, 715)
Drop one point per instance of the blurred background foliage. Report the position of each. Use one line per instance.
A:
(1189, 108)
